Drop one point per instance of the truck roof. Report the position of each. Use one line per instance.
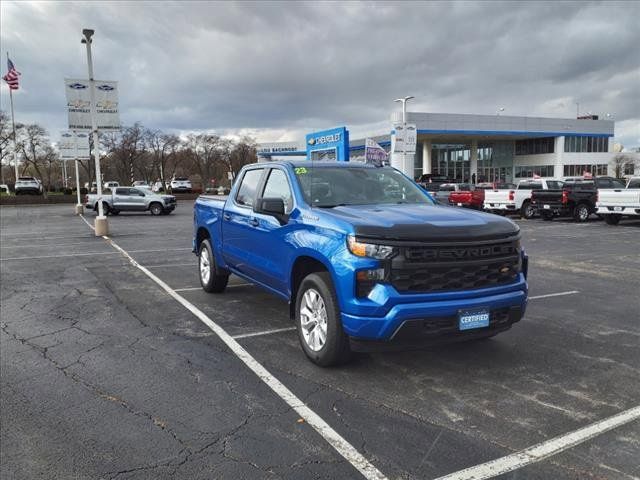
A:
(322, 164)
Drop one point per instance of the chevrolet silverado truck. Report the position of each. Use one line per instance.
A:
(614, 204)
(470, 196)
(130, 199)
(572, 199)
(519, 199)
(364, 257)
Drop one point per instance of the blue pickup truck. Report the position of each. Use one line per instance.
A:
(364, 256)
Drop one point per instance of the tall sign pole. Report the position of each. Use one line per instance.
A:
(79, 207)
(101, 225)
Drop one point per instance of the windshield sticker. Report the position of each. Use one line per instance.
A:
(301, 170)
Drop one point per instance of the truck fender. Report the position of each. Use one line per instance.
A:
(305, 263)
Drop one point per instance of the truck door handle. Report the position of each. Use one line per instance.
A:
(226, 216)
(253, 222)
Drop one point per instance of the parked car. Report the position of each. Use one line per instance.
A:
(430, 180)
(181, 184)
(363, 266)
(443, 191)
(110, 185)
(28, 186)
(141, 183)
(4, 188)
(618, 203)
(518, 199)
(123, 199)
(572, 199)
(470, 196)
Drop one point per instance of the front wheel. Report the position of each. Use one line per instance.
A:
(612, 219)
(155, 209)
(318, 322)
(581, 213)
(210, 279)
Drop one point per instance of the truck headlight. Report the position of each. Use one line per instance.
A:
(361, 249)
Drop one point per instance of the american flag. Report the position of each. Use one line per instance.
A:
(12, 76)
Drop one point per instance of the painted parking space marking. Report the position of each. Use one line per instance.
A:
(543, 450)
(340, 444)
(56, 256)
(265, 332)
(559, 294)
(172, 265)
(231, 285)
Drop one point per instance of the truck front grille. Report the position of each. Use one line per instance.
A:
(445, 268)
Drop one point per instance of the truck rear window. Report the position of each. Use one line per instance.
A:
(331, 187)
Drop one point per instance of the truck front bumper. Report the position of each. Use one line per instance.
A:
(435, 321)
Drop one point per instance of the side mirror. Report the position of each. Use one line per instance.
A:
(271, 206)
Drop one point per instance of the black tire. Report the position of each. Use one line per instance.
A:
(527, 210)
(105, 208)
(115, 212)
(335, 350)
(214, 282)
(156, 208)
(581, 212)
(612, 219)
(547, 216)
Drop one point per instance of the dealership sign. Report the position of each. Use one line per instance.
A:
(404, 138)
(74, 145)
(78, 94)
(332, 144)
(268, 149)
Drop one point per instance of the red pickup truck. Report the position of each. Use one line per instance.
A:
(470, 196)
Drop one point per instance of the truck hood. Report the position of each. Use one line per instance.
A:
(411, 222)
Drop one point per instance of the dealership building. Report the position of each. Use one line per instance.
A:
(477, 148)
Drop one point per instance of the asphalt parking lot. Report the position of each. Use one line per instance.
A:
(105, 375)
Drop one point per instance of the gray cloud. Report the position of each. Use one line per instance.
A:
(296, 66)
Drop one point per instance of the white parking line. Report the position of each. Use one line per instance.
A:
(559, 294)
(344, 448)
(543, 450)
(172, 265)
(266, 332)
(58, 256)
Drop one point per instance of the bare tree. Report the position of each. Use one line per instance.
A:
(125, 152)
(204, 151)
(620, 162)
(39, 156)
(164, 154)
(243, 153)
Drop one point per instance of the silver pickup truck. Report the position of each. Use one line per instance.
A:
(129, 199)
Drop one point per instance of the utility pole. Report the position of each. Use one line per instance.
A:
(101, 225)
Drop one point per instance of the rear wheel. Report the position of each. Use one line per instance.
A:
(210, 279)
(581, 213)
(105, 208)
(155, 208)
(318, 321)
(527, 211)
(612, 219)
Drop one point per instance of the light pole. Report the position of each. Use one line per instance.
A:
(101, 225)
(404, 107)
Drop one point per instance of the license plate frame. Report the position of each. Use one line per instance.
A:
(617, 209)
(473, 319)
(546, 207)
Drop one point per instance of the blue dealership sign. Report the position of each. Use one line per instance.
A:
(330, 144)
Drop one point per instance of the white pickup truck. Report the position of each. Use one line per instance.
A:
(614, 204)
(123, 199)
(519, 199)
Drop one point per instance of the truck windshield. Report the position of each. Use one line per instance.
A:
(331, 187)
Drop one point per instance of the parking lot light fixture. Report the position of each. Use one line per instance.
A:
(404, 101)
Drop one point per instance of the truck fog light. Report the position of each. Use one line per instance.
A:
(367, 279)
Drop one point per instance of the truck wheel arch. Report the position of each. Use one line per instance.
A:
(201, 235)
(303, 266)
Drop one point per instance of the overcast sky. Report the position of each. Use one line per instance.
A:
(278, 70)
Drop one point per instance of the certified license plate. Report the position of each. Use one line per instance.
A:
(547, 207)
(617, 209)
(470, 319)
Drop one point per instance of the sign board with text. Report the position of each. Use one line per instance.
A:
(78, 93)
(74, 145)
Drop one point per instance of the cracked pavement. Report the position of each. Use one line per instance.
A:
(104, 376)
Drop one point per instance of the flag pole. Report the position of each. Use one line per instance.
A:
(13, 124)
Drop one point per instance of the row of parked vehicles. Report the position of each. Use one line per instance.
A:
(578, 198)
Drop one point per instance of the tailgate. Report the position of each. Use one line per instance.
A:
(460, 197)
(497, 196)
(622, 198)
(546, 196)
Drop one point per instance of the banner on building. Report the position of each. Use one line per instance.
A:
(79, 104)
(405, 138)
(375, 154)
(74, 145)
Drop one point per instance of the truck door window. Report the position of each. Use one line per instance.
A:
(247, 191)
(122, 191)
(616, 184)
(278, 187)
